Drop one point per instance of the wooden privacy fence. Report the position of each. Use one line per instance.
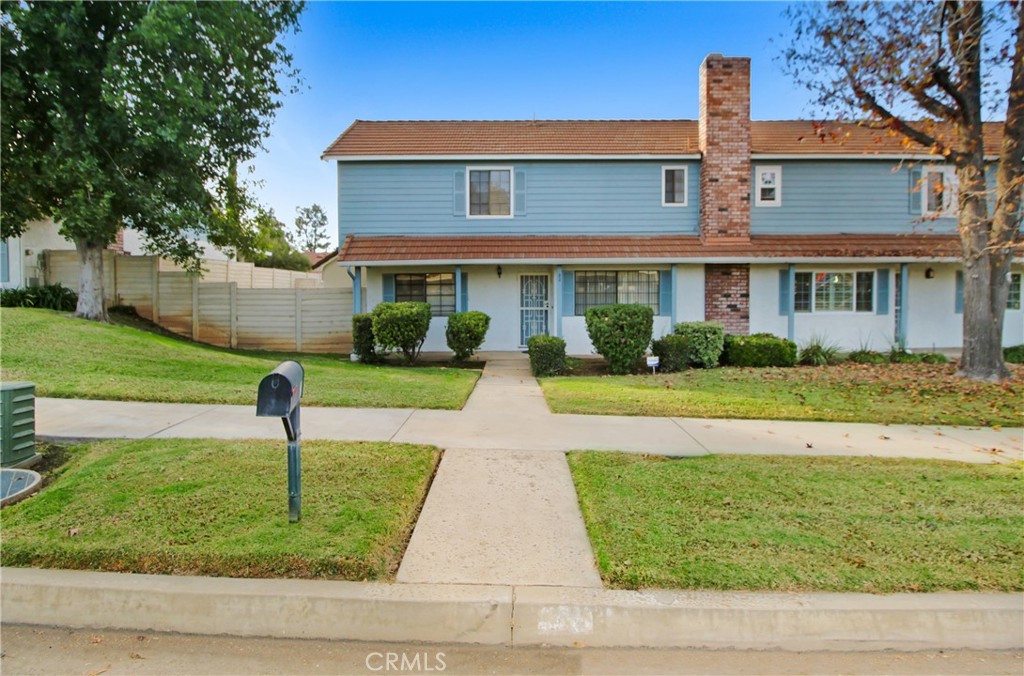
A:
(227, 311)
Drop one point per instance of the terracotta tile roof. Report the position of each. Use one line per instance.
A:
(366, 249)
(609, 137)
(517, 137)
(318, 258)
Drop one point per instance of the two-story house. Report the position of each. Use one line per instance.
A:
(764, 226)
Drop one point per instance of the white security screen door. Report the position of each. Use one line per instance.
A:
(533, 306)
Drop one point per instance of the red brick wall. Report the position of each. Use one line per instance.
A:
(724, 137)
(117, 245)
(727, 297)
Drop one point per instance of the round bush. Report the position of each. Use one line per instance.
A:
(402, 326)
(671, 353)
(547, 355)
(759, 350)
(465, 332)
(704, 342)
(620, 333)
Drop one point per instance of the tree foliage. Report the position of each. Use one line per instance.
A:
(311, 228)
(131, 114)
(927, 71)
(270, 247)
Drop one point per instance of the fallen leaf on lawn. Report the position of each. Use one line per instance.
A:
(883, 437)
(135, 656)
(727, 501)
(95, 639)
(72, 532)
(810, 445)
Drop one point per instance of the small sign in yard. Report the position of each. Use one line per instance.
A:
(653, 362)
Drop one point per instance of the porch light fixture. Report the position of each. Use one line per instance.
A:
(929, 273)
(499, 272)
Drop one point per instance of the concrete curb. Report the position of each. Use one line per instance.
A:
(517, 616)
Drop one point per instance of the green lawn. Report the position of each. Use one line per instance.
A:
(807, 523)
(884, 393)
(213, 507)
(74, 358)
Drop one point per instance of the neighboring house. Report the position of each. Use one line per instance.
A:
(763, 226)
(21, 262)
(334, 274)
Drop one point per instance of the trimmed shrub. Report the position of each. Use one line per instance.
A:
(547, 355)
(363, 343)
(704, 342)
(865, 356)
(402, 326)
(1014, 355)
(899, 355)
(46, 297)
(465, 332)
(819, 352)
(671, 352)
(759, 350)
(620, 333)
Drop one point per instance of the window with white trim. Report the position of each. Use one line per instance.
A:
(834, 291)
(768, 186)
(673, 186)
(938, 191)
(435, 288)
(631, 287)
(489, 192)
(1013, 297)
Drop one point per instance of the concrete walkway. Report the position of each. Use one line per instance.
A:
(502, 516)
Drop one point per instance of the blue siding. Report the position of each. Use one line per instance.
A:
(861, 196)
(391, 198)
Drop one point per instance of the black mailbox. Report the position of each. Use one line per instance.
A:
(278, 396)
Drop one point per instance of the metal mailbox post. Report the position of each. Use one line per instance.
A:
(278, 396)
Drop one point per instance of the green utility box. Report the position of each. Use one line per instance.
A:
(18, 425)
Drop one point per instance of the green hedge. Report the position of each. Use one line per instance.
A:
(865, 356)
(46, 297)
(363, 343)
(465, 332)
(402, 326)
(620, 333)
(760, 350)
(671, 353)
(547, 355)
(704, 342)
(1014, 354)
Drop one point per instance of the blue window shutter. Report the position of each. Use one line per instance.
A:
(916, 190)
(459, 193)
(389, 288)
(882, 292)
(568, 294)
(520, 196)
(464, 301)
(785, 293)
(959, 292)
(665, 293)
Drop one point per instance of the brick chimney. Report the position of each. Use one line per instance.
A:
(724, 137)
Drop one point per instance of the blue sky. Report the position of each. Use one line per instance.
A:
(419, 61)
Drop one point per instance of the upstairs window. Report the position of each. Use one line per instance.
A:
(768, 186)
(633, 287)
(673, 186)
(939, 191)
(489, 192)
(435, 288)
(834, 292)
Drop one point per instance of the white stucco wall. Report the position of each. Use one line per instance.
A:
(335, 276)
(850, 330)
(499, 298)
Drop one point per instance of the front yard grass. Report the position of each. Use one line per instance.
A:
(882, 393)
(213, 507)
(75, 358)
(799, 524)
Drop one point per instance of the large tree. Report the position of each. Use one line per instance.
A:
(311, 228)
(931, 72)
(134, 114)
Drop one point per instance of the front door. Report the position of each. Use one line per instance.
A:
(533, 306)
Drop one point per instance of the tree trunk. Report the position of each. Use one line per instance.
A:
(91, 304)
